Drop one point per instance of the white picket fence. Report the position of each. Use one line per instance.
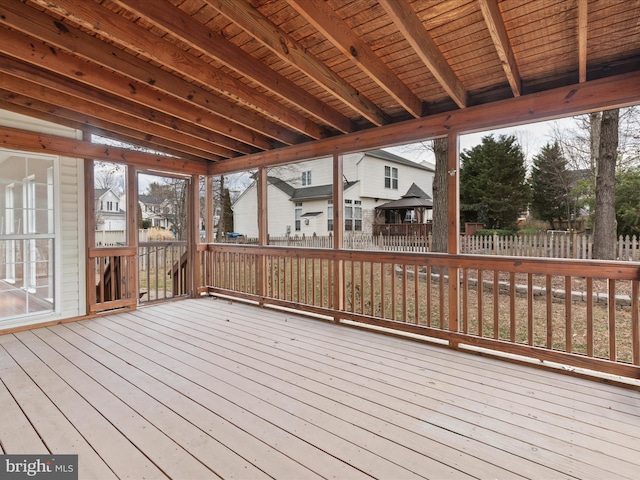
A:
(351, 242)
(547, 245)
(114, 238)
(553, 244)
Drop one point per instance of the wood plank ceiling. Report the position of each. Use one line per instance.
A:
(218, 79)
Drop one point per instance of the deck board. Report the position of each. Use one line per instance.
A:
(209, 389)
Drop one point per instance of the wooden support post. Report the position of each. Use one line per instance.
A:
(208, 209)
(453, 221)
(90, 231)
(263, 231)
(132, 232)
(194, 235)
(338, 235)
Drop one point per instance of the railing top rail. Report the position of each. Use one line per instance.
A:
(96, 252)
(621, 270)
(163, 243)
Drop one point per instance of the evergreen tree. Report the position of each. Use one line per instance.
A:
(492, 175)
(551, 198)
(628, 201)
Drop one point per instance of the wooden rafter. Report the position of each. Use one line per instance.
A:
(500, 38)
(32, 141)
(279, 42)
(76, 97)
(412, 29)
(129, 35)
(201, 38)
(72, 119)
(582, 39)
(326, 21)
(219, 130)
(74, 41)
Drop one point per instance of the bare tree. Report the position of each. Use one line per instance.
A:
(439, 240)
(108, 175)
(605, 210)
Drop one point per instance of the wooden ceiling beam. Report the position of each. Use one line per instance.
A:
(582, 39)
(129, 35)
(610, 92)
(43, 143)
(56, 114)
(215, 128)
(498, 31)
(408, 23)
(287, 49)
(25, 80)
(334, 29)
(30, 21)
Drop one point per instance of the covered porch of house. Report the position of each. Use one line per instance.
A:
(209, 388)
(204, 387)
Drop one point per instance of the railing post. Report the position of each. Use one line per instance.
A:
(338, 236)
(453, 221)
(263, 234)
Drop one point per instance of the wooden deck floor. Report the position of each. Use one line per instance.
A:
(200, 389)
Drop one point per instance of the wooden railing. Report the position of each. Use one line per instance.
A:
(111, 278)
(576, 313)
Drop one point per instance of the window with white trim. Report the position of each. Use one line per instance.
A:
(27, 234)
(330, 216)
(357, 215)
(306, 178)
(390, 177)
(298, 216)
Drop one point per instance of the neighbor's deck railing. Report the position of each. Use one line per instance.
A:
(578, 313)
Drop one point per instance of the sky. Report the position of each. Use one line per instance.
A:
(532, 138)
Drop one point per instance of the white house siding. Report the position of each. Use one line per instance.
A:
(371, 175)
(280, 213)
(72, 238)
(69, 264)
(245, 212)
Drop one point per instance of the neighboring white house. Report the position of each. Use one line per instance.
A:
(156, 212)
(299, 196)
(110, 213)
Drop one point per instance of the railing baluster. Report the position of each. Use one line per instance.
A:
(496, 305)
(529, 308)
(589, 287)
(635, 328)
(441, 272)
(512, 306)
(612, 318)
(429, 297)
(567, 315)
(480, 290)
(393, 291)
(465, 300)
(416, 297)
(549, 300)
(383, 312)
